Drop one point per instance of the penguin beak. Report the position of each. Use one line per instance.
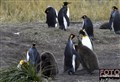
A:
(73, 37)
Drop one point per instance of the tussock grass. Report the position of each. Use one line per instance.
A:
(33, 10)
(12, 74)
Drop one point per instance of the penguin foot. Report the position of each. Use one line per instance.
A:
(65, 30)
(70, 72)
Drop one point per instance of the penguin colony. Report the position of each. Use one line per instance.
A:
(74, 55)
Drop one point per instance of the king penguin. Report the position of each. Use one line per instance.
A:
(51, 16)
(49, 67)
(33, 57)
(88, 58)
(114, 21)
(86, 41)
(63, 16)
(71, 61)
(88, 26)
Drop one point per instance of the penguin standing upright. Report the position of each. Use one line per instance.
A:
(86, 41)
(87, 56)
(51, 17)
(63, 16)
(33, 57)
(114, 20)
(88, 26)
(71, 61)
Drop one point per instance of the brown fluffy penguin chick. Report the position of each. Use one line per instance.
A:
(49, 66)
(88, 57)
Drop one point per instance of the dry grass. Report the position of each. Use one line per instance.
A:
(33, 10)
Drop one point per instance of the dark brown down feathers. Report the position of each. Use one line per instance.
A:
(88, 57)
(49, 66)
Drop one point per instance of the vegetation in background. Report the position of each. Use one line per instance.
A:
(33, 10)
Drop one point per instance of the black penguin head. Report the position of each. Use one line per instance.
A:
(114, 8)
(33, 45)
(47, 10)
(66, 3)
(82, 32)
(71, 36)
(84, 16)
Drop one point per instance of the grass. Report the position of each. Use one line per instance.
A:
(33, 10)
(12, 74)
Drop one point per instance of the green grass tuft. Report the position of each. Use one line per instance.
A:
(12, 74)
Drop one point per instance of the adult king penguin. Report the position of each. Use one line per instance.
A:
(114, 21)
(63, 16)
(86, 41)
(71, 61)
(88, 26)
(51, 17)
(88, 57)
(34, 57)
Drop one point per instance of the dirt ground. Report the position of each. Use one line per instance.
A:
(13, 47)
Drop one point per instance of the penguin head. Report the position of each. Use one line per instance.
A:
(114, 8)
(46, 11)
(33, 45)
(72, 36)
(84, 16)
(82, 33)
(66, 3)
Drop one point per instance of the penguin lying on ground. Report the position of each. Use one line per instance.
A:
(105, 26)
(33, 57)
(114, 20)
(71, 59)
(51, 17)
(88, 26)
(88, 57)
(63, 16)
(86, 41)
(49, 66)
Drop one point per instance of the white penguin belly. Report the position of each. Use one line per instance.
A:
(27, 56)
(73, 61)
(112, 27)
(65, 22)
(56, 25)
(68, 12)
(86, 42)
